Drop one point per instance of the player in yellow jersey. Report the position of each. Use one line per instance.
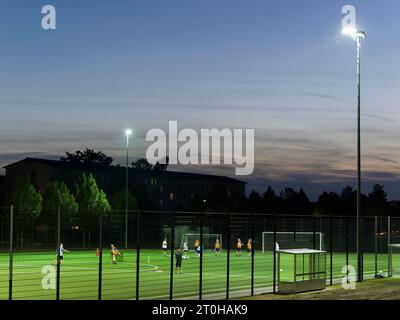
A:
(196, 244)
(249, 244)
(217, 247)
(239, 245)
(114, 254)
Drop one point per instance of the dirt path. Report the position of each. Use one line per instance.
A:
(383, 289)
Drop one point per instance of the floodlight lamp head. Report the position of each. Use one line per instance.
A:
(360, 34)
(128, 132)
(354, 33)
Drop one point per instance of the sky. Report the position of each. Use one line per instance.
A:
(282, 68)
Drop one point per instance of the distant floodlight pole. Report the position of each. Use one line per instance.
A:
(128, 132)
(358, 36)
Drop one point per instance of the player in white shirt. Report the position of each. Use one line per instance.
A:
(185, 250)
(60, 253)
(165, 247)
(199, 249)
(276, 250)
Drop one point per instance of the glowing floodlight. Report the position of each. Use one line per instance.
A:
(356, 34)
(349, 31)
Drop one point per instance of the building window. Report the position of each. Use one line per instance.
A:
(161, 188)
(161, 202)
(33, 177)
(171, 196)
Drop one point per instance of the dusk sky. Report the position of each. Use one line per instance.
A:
(280, 67)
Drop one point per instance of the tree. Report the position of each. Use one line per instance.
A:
(88, 156)
(89, 196)
(91, 201)
(295, 202)
(255, 202)
(161, 167)
(271, 201)
(2, 194)
(143, 164)
(288, 194)
(57, 195)
(220, 199)
(377, 201)
(329, 203)
(26, 200)
(349, 201)
(288, 197)
(302, 202)
(27, 204)
(118, 201)
(378, 194)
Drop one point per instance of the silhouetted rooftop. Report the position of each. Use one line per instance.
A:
(91, 166)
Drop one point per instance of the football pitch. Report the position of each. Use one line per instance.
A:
(80, 270)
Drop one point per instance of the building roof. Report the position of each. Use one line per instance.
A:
(83, 166)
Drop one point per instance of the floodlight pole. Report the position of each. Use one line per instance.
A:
(127, 133)
(358, 37)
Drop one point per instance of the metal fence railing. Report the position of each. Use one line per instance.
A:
(32, 266)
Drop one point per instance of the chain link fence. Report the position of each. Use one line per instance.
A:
(136, 255)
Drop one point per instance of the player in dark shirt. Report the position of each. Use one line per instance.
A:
(178, 257)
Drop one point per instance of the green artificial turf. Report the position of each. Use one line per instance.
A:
(80, 270)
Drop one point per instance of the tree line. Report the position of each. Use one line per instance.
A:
(86, 200)
(290, 201)
(81, 205)
(92, 157)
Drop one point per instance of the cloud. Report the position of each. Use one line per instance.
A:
(378, 117)
(324, 96)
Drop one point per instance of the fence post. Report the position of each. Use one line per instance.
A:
(228, 256)
(274, 251)
(252, 254)
(201, 258)
(347, 248)
(137, 254)
(389, 240)
(171, 275)
(314, 230)
(361, 248)
(2, 229)
(331, 250)
(376, 244)
(58, 253)
(295, 227)
(11, 253)
(100, 255)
